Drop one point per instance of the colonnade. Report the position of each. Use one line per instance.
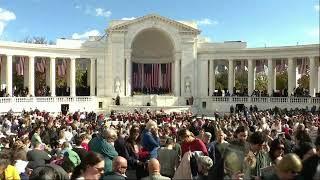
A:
(314, 71)
(51, 71)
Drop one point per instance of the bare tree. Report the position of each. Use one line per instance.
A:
(36, 40)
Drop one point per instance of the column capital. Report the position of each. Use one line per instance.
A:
(31, 57)
(312, 57)
(128, 51)
(268, 57)
(177, 56)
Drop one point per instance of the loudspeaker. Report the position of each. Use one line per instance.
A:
(148, 104)
(204, 105)
(64, 108)
(100, 105)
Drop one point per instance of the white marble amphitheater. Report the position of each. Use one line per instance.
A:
(151, 52)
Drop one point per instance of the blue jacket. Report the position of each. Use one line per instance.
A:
(151, 143)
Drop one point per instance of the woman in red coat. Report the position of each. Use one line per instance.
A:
(190, 143)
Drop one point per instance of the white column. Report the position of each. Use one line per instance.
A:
(291, 75)
(211, 72)
(250, 77)
(9, 75)
(92, 77)
(274, 63)
(26, 75)
(230, 77)
(271, 76)
(3, 73)
(47, 70)
(318, 74)
(313, 76)
(128, 74)
(213, 76)
(72, 77)
(31, 76)
(177, 80)
(53, 76)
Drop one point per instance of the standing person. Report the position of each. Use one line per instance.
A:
(168, 158)
(78, 148)
(190, 143)
(154, 171)
(119, 168)
(37, 156)
(103, 144)
(288, 168)
(7, 171)
(36, 139)
(150, 138)
(91, 168)
(276, 151)
(311, 164)
(256, 159)
(216, 150)
(132, 148)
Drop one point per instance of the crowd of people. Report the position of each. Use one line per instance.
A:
(153, 90)
(270, 144)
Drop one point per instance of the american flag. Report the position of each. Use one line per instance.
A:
(238, 66)
(261, 65)
(151, 75)
(20, 65)
(281, 65)
(166, 75)
(62, 67)
(41, 65)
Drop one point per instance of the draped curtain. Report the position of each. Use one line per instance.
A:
(151, 76)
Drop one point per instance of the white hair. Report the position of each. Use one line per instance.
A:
(150, 124)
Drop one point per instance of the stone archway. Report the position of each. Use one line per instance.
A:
(152, 55)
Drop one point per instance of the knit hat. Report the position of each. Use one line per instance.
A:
(73, 157)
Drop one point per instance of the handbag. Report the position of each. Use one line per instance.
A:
(143, 155)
